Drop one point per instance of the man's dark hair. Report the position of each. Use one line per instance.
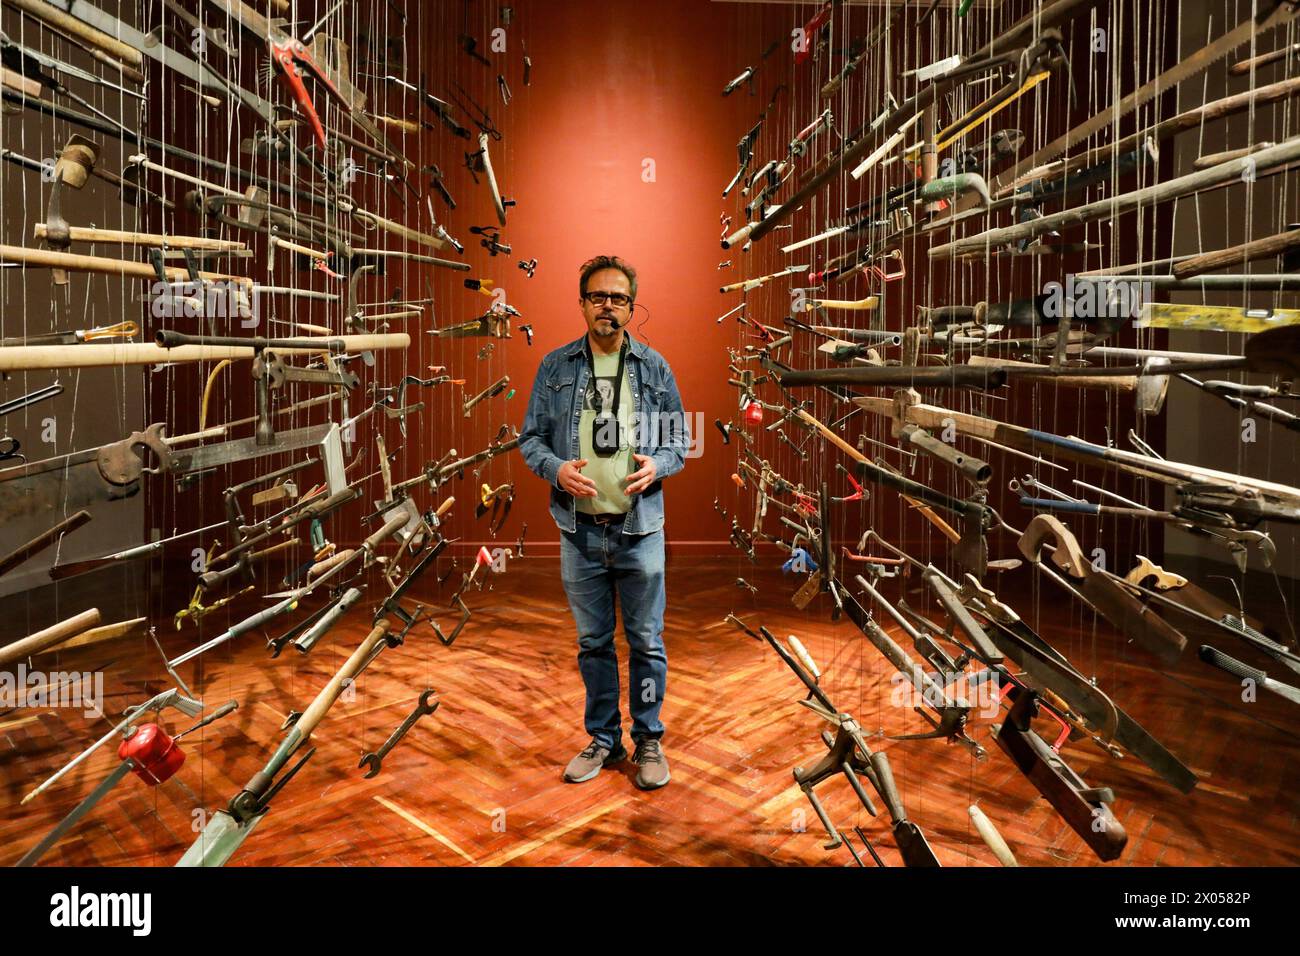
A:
(594, 265)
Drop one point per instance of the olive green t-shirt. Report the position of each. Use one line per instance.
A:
(608, 473)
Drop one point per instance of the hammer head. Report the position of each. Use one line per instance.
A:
(75, 161)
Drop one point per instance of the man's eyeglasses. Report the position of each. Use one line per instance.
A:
(617, 299)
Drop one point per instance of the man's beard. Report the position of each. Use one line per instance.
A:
(600, 330)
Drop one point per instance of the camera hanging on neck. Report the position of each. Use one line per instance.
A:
(605, 430)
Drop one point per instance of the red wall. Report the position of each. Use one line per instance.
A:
(615, 84)
(612, 87)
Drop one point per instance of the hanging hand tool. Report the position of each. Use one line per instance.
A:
(991, 837)
(292, 58)
(393, 398)
(30, 64)
(41, 542)
(1245, 673)
(496, 388)
(31, 398)
(234, 513)
(310, 637)
(427, 704)
(393, 604)
(1126, 613)
(122, 330)
(848, 754)
(61, 571)
(470, 45)
(953, 711)
(491, 240)
(146, 751)
(243, 566)
(498, 446)
(49, 637)
(481, 161)
(497, 500)
(109, 473)
(156, 704)
(1086, 809)
(494, 323)
(229, 828)
(436, 180)
(365, 554)
(196, 610)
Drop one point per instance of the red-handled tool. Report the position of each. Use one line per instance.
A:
(293, 59)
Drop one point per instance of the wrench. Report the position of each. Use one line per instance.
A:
(427, 705)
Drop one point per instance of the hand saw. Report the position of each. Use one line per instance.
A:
(326, 437)
(109, 473)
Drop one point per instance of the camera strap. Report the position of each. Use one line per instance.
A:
(618, 377)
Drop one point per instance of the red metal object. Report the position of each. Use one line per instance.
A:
(293, 59)
(285, 54)
(900, 273)
(484, 556)
(857, 495)
(810, 31)
(155, 755)
(322, 265)
(1044, 708)
(753, 414)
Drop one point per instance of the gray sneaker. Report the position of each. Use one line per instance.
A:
(587, 765)
(653, 772)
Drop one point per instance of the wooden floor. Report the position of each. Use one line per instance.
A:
(478, 782)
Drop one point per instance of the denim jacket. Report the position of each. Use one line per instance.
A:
(549, 437)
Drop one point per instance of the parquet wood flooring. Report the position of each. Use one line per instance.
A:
(478, 782)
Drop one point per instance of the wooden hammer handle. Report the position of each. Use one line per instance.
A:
(52, 635)
(42, 541)
(1255, 249)
(120, 267)
(16, 81)
(106, 632)
(70, 25)
(354, 665)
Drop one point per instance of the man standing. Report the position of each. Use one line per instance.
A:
(604, 428)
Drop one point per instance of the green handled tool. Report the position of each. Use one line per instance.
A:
(229, 828)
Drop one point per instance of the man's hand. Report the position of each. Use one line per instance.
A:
(572, 480)
(643, 477)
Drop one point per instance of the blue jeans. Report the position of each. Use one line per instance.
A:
(598, 563)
